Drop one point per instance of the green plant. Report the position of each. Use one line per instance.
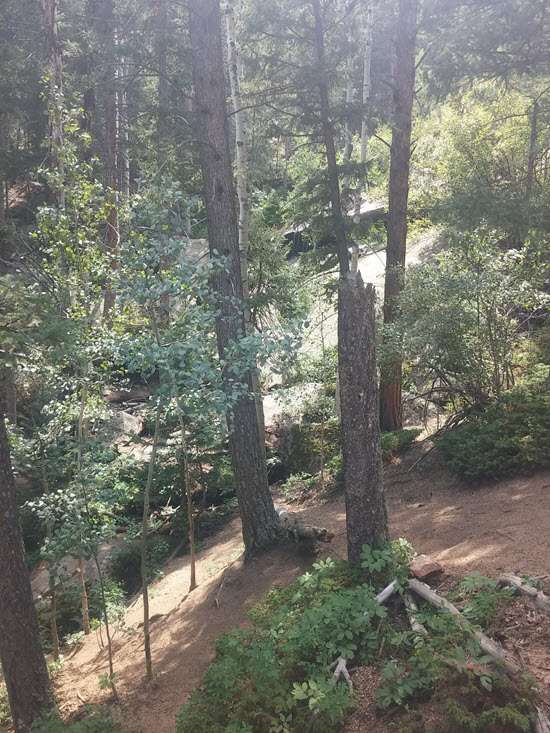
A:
(94, 719)
(511, 436)
(485, 598)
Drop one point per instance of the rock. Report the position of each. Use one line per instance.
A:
(127, 424)
(423, 567)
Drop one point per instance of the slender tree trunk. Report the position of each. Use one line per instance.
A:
(22, 659)
(56, 87)
(241, 160)
(391, 412)
(532, 150)
(144, 533)
(88, 63)
(366, 90)
(111, 128)
(161, 46)
(124, 131)
(191, 519)
(79, 438)
(366, 518)
(51, 570)
(260, 522)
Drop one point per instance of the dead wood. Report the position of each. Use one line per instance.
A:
(541, 601)
(292, 523)
(488, 646)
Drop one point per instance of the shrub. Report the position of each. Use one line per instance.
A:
(512, 436)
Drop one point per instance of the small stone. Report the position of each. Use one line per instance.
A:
(423, 567)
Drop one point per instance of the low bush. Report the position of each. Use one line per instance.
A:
(512, 436)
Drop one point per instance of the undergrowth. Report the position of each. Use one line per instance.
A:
(275, 677)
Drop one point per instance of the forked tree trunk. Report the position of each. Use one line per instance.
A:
(366, 517)
(22, 659)
(241, 161)
(260, 522)
(391, 411)
(111, 129)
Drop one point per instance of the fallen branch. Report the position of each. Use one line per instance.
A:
(416, 626)
(542, 723)
(293, 524)
(488, 646)
(541, 601)
(342, 671)
(388, 592)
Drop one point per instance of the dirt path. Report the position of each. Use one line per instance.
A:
(499, 527)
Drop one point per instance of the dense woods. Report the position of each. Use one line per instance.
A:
(258, 257)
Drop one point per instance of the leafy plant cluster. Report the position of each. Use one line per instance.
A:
(511, 436)
(276, 677)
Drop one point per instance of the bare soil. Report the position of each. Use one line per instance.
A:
(489, 529)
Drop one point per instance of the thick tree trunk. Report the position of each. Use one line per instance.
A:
(56, 87)
(366, 517)
(260, 522)
(20, 651)
(111, 129)
(391, 414)
(241, 161)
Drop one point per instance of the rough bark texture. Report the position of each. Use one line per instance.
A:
(111, 125)
(391, 414)
(260, 522)
(20, 651)
(366, 517)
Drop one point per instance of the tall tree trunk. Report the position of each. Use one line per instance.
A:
(532, 150)
(56, 87)
(111, 129)
(124, 132)
(367, 22)
(241, 161)
(161, 46)
(22, 659)
(391, 411)
(88, 99)
(260, 522)
(366, 518)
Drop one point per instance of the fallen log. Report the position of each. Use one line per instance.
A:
(487, 645)
(541, 601)
(292, 523)
(542, 723)
(416, 626)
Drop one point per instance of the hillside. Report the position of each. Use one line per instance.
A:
(492, 528)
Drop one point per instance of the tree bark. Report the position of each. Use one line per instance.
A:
(241, 161)
(532, 150)
(260, 522)
(366, 516)
(22, 659)
(111, 128)
(56, 88)
(391, 412)
(88, 98)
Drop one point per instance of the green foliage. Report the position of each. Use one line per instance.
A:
(511, 436)
(125, 562)
(485, 598)
(462, 316)
(94, 719)
(397, 441)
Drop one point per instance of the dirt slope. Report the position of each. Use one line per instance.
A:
(497, 527)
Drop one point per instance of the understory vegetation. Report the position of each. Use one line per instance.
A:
(277, 675)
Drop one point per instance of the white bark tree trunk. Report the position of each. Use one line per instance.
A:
(56, 86)
(241, 162)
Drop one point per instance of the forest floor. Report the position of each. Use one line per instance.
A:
(495, 527)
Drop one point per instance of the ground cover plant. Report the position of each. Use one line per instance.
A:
(277, 675)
